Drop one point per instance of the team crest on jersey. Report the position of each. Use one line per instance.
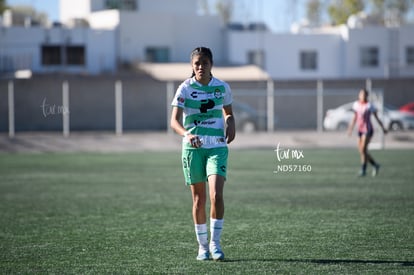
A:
(217, 93)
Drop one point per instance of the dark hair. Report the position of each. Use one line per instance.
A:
(202, 51)
(365, 91)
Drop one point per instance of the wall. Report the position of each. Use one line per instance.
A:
(38, 101)
(338, 52)
(22, 47)
(282, 53)
(139, 31)
(367, 37)
(69, 9)
(406, 38)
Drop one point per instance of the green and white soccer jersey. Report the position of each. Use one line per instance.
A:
(203, 110)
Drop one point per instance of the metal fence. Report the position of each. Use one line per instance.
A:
(275, 109)
(267, 108)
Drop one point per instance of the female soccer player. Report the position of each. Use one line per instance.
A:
(202, 114)
(363, 110)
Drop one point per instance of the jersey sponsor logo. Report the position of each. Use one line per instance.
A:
(206, 105)
(206, 122)
(213, 140)
(195, 94)
(180, 99)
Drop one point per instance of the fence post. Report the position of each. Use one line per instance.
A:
(170, 96)
(381, 103)
(319, 115)
(368, 85)
(65, 113)
(379, 99)
(118, 108)
(11, 109)
(270, 105)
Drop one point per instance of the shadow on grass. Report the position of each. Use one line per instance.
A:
(326, 261)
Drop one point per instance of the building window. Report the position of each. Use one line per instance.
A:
(409, 55)
(130, 5)
(256, 57)
(157, 54)
(58, 55)
(51, 55)
(309, 60)
(75, 55)
(369, 57)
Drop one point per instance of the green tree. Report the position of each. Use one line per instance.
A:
(3, 6)
(391, 12)
(224, 9)
(30, 12)
(314, 12)
(204, 6)
(339, 11)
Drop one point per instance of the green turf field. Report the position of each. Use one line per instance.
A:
(131, 213)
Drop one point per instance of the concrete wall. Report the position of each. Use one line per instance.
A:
(338, 52)
(21, 47)
(282, 53)
(69, 9)
(38, 101)
(138, 31)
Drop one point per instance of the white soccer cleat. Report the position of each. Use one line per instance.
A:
(376, 170)
(216, 253)
(203, 256)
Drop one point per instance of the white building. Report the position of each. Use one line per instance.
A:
(45, 50)
(121, 32)
(338, 53)
(132, 31)
(150, 30)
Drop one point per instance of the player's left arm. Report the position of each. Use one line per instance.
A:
(230, 125)
(379, 122)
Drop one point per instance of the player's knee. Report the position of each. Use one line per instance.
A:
(199, 202)
(216, 198)
(363, 149)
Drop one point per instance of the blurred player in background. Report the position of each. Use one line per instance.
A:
(363, 110)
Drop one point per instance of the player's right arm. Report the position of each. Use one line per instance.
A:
(352, 124)
(176, 118)
(177, 126)
(354, 119)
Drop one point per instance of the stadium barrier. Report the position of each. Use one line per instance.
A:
(282, 107)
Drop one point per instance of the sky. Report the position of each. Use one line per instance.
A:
(277, 14)
(50, 7)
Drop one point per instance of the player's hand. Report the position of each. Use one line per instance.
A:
(230, 134)
(194, 141)
(230, 129)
